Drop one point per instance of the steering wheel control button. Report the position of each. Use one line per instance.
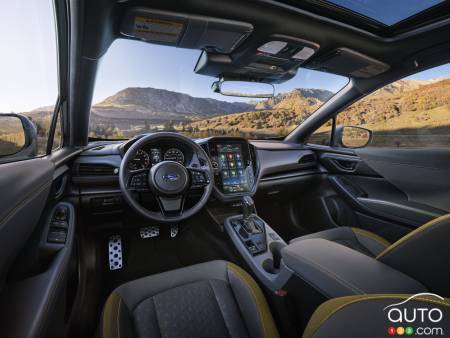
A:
(149, 232)
(198, 178)
(169, 178)
(115, 252)
(139, 181)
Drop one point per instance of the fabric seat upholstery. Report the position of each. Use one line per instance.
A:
(213, 299)
(357, 239)
(366, 315)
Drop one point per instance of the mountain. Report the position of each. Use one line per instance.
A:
(402, 86)
(403, 104)
(159, 105)
(410, 102)
(296, 99)
(276, 115)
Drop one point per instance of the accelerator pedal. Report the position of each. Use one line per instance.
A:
(115, 252)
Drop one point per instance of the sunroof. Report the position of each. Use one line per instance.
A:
(388, 12)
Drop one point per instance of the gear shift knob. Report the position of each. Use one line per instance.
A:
(248, 207)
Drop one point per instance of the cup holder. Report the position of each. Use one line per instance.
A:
(272, 265)
(269, 267)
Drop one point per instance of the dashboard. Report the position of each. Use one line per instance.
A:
(239, 167)
(233, 164)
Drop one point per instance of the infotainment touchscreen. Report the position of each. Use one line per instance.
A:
(235, 175)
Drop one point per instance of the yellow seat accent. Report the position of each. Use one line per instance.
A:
(268, 325)
(414, 233)
(329, 308)
(371, 235)
(110, 324)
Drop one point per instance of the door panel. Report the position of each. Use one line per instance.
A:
(36, 243)
(25, 186)
(389, 191)
(422, 174)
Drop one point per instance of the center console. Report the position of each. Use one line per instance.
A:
(259, 245)
(325, 267)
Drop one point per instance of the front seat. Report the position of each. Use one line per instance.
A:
(367, 316)
(423, 254)
(213, 299)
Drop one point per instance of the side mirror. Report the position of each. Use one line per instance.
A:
(18, 138)
(352, 137)
(244, 89)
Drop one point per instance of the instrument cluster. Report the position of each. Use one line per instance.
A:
(147, 157)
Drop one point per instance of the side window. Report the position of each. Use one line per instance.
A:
(28, 79)
(412, 112)
(57, 136)
(322, 136)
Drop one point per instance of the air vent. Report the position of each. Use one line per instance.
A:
(307, 159)
(87, 169)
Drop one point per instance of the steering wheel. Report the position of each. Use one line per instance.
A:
(169, 181)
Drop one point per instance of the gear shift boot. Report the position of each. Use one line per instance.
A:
(252, 224)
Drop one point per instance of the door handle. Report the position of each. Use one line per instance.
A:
(347, 165)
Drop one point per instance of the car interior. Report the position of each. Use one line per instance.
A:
(312, 232)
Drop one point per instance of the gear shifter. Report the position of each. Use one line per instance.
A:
(248, 218)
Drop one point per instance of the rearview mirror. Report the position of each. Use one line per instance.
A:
(18, 138)
(244, 89)
(353, 137)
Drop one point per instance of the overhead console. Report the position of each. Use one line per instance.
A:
(273, 60)
(349, 63)
(184, 30)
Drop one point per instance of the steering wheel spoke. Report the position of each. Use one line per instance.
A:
(138, 180)
(171, 206)
(200, 177)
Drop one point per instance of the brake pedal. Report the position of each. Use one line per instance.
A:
(149, 232)
(115, 252)
(173, 231)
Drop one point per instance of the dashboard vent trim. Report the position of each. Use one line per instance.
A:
(307, 159)
(90, 169)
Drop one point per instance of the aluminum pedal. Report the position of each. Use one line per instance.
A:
(115, 252)
(149, 232)
(173, 231)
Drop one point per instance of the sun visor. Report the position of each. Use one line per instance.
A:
(344, 61)
(184, 30)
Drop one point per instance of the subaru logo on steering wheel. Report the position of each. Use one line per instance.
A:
(171, 177)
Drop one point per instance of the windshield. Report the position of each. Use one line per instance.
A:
(144, 88)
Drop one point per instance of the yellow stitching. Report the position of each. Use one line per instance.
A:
(413, 233)
(356, 299)
(118, 317)
(260, 303)
(371, 235)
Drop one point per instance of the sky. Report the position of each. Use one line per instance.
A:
(388, 12)
(28, 73)
(137, 64)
